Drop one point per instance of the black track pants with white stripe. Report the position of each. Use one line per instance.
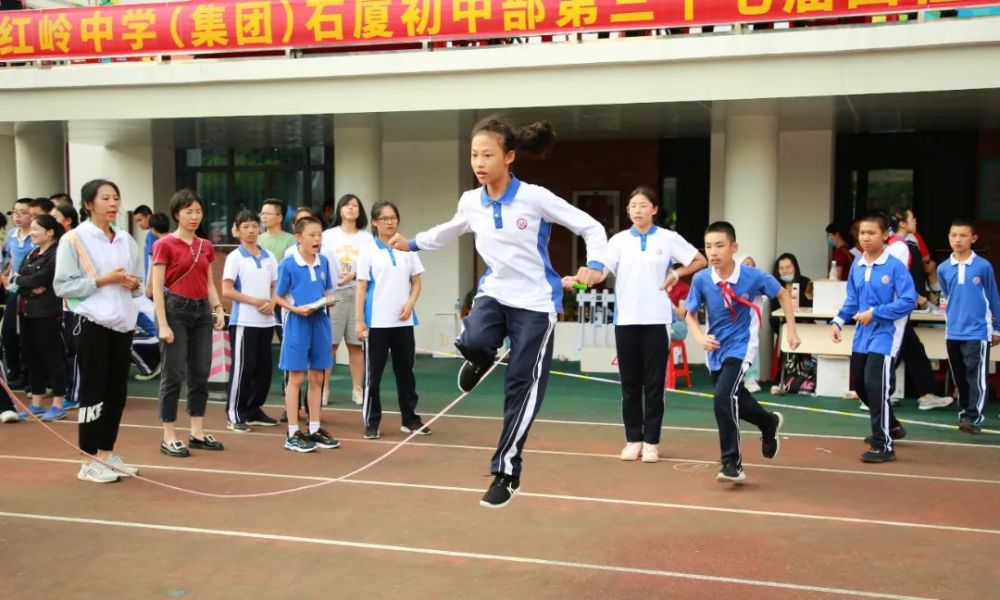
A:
(969, 361)
(250, 375)
(732, 403)
(871, 379)
(382, 343)
(531, 336)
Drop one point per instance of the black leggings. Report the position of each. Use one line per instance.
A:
(45, 354)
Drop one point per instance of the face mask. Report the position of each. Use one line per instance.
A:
(829, 242)
(788, 278)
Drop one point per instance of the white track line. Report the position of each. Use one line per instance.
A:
(567, 497)
(826, 470)
(458, 554)
(606, 424)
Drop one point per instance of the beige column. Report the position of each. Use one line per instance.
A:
(40, 149)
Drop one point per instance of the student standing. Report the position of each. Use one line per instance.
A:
(98, 272)
(880, 297)
(972, 321)
(17, 247)
(187, 310)
(388, 288)
(520, 295)
(727, 291)
(248, 281)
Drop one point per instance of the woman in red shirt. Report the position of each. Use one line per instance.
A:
(840, 241)
(187, 309)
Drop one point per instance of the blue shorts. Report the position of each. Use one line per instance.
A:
(307, 344)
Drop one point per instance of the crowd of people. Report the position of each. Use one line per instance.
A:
(83, 286)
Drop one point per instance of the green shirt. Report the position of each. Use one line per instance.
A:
(277, 244)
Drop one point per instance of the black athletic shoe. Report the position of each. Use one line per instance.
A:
(418, 428)
(967, 426)
(209, 443)
(501, 491)
(878, 456)
(238, 427)
(262, 419)
(372, 433)
(731, 472)
(323, 439)
(770, 443)
(469, 375)
(896, 433)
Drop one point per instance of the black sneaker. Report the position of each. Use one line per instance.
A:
(469, 375)
(298, 442)
(770, 443)
(238, 427)
(372, 433)
(175, 448)
(501, 491)
(417, 428)
(209, 443)
(878, 456)
(323, 439)
(731, 472)
(262, 419)
(967, 426)
(896, 433)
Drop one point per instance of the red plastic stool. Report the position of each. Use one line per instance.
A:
(673, 370)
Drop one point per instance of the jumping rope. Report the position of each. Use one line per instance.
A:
(824, 411)
(301, 488)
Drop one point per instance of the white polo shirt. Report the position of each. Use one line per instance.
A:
(640, 263)
(253, 276)
(388, 274)
(342, 250)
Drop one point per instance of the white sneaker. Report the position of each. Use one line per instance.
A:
(650, 453)
(930, 401)
(96, 472)
(118, 465)
(851, 395)
(357, 396)
(752, 386)
(863, 407)
(631, 451)
(9, 416)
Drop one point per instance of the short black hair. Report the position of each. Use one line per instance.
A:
(275, 203)
(362, 217)
(964, 222)
(183, 199)
(143, 210)
(301, 224)
(310, 214)
(43, 203)
(878, 217)
(70, 213)
(722, 227)
(244, 216)
(27, 201)
(160, 223)
(61, 198)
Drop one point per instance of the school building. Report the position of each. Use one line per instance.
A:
(779, 128)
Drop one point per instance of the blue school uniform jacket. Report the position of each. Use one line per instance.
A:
(884, 285)
(973, 301)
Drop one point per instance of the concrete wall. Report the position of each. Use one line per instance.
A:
(805, 198)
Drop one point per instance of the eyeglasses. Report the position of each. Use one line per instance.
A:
(387, 219)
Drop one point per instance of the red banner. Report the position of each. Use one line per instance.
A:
(202, 27)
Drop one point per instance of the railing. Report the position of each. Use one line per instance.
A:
(293, 28)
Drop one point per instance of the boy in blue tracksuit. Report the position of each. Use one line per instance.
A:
(880, 298)
(970, 287)
(727, 291)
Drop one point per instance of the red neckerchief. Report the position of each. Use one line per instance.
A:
(728, 295)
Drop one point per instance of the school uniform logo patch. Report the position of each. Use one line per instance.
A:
(522, 223)
(886, 280)
(976, 280)
(659, 251)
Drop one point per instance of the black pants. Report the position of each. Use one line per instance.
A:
(70, 333)
(969, 362)
(45, 355)
(871, 379)
(381, 342)
(531, 338)
(104, 363)
(918, 367)
(250, 376)
(11, 339)
(642, 368)
(189, 356)
(732, 403)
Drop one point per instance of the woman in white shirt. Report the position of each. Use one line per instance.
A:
(341, 245)
(642, 259)
(388, 288)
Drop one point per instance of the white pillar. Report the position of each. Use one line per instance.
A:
(805, 197)
(717, 177)
(41, 159)
(357, 150)
(8, 167)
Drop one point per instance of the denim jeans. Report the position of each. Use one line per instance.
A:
(189, 355)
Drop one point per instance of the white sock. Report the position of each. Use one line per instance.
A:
(293, 429)
(313, 427)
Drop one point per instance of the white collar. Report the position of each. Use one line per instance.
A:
(878, 261)
(89, 227)
(967, 262)
(733, 278)
(299, 260)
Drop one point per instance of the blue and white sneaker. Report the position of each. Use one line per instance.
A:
(54, 414)
(32, 410)
(70, 405)
(299, 443)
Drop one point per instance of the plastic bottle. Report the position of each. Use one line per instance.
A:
(834, 272)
